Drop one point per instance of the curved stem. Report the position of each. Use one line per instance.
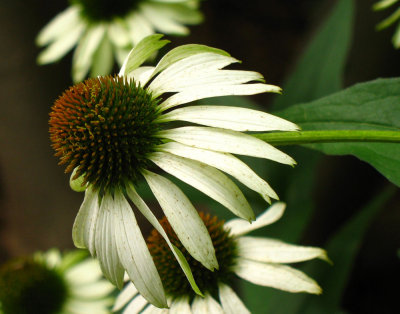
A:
(329, 136)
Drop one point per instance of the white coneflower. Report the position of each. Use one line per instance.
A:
(255, 259)
(113, 131)
(104, 29)
(50, 283)
(393, 18)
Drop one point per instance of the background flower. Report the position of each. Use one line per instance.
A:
(256, 259)
(393, 18)
(104, 30)
(52, 282)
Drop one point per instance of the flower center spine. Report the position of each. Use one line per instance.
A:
(105, 128)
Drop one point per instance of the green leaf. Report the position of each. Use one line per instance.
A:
(373, 105)
(320, 69)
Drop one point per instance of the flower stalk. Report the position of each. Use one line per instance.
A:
(329, 136)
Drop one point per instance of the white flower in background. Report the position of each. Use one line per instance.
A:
(255, 259)
(113, 131)
(393, 18)
(50, 283)
(103, 30)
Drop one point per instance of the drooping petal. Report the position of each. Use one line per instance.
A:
(153, 310)
(201, 92)
(183, 52)
(118, 33)
(59, 25)
(233, 118)
(180, 305)
(207, 179)
(206, 306)
(142, 51)
(224, 162)
(162, 22)
(184, 219)
(61, 45)
(106, 242)
(134, 254)
(83, 54)
(75, 306)
(276, 276)
(171, 78)
(139, 27)
(145, 210)
(103, 58)
(84, 229)
(85, 272)
(226, 141)
(230, 301)
(275, 251)
(95, 290)
(136, 305)
(239, 227)
(124, 296)
(142, 75)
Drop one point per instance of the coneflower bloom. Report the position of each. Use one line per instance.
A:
(104, 30)
(114, 131)
(51, 282)
(255, 259)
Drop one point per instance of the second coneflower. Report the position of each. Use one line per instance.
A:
(114, 131)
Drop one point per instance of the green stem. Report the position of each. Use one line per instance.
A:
(329, 136)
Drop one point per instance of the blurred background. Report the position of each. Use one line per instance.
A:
(37, 207)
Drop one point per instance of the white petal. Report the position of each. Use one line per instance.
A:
(206, 306)
(154, 310)
(177, 73)
(276, 276)
(136, 305)
(204, 91)
(139, 27)
(53, 258)
(230, 301)
(134, 254)
(162, 22)
(239, 226)
(142, 75)
(145, 210)
(183, 52)
(226, 141)
(180, 306)
(84, 229)
(58, 48)
(87, 46)
(233, 118)
(105, 242)
(103, 59)
(92, 291)
(183, 13)
(85, 272)
(184, 219)
(59, 25)
(207, 179)
(275, 251)
(141, 52)
(124, 297)
(118, 33)
(75, 306)
(224, 162)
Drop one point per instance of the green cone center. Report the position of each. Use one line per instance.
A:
(174, 280)
(104, 127)
(105, 10)
(27, 286)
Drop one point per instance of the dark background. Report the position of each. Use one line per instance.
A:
(37, 207)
